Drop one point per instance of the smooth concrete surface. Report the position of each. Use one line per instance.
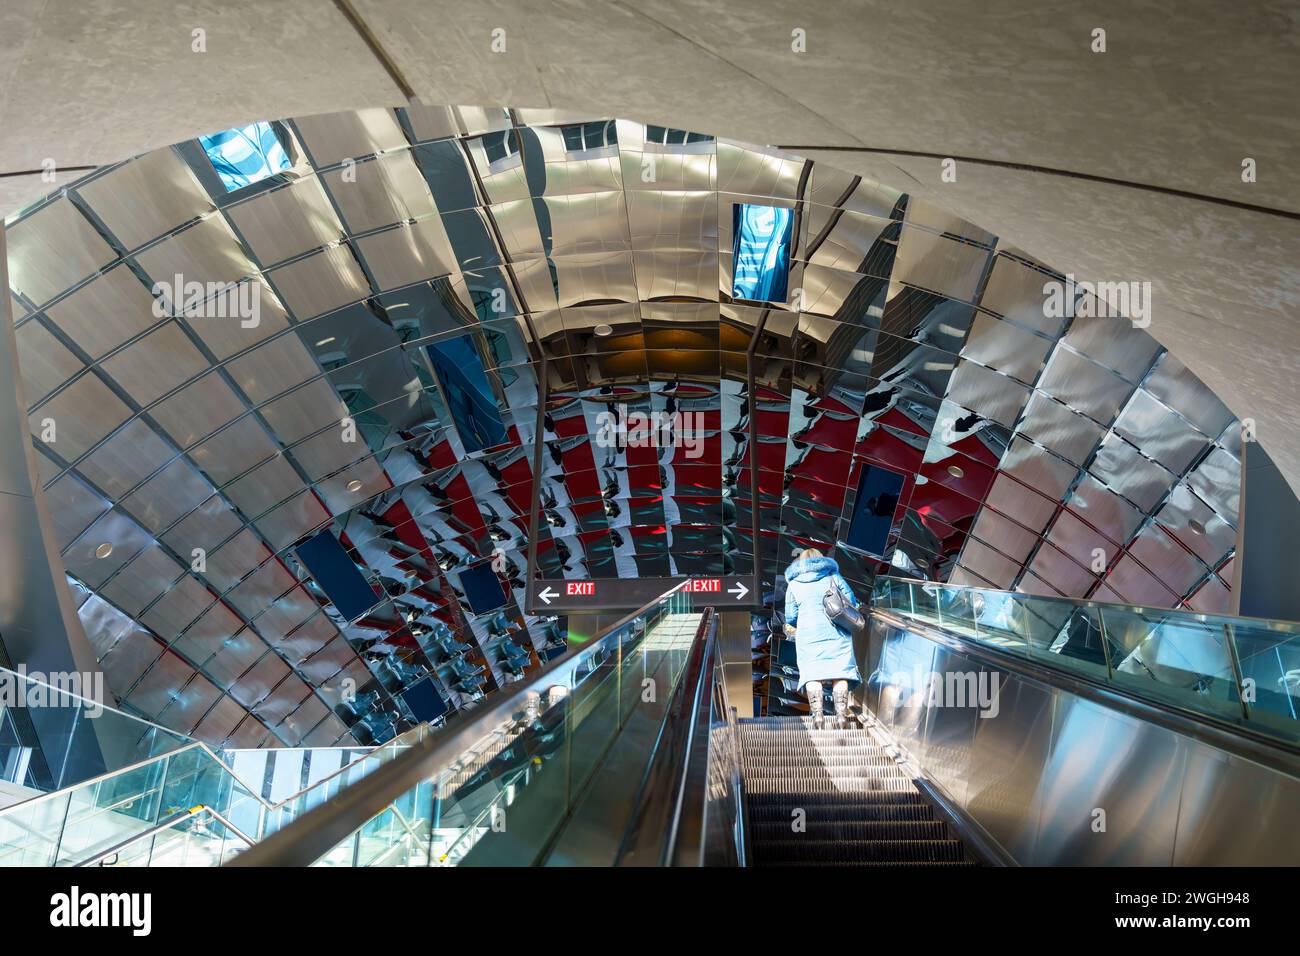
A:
(1180, 97)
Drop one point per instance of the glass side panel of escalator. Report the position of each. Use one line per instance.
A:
(1241, 670)
(51, 738)
(503, 799)
(120, 810)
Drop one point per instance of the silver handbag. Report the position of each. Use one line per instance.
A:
(840, 612)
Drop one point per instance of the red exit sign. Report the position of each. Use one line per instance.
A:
(587, 588)
(707, 585)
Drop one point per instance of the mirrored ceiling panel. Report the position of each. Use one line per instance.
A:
(293, 409)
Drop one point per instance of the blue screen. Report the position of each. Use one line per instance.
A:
(482, 588)
(873, 510)
(424, 700)
(338, 577)
(761, 243)
(468, 393)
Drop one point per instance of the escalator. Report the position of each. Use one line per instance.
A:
(836, 798)
(1079, 733)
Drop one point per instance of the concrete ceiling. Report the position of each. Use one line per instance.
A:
(1136, 152)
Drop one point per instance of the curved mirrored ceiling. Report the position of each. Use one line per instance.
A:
(287, 382)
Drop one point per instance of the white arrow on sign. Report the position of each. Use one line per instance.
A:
(739, 590)
(546, 594)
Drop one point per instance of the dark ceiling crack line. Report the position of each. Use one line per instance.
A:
(386, 59)
(1053, 171)
(41, 172)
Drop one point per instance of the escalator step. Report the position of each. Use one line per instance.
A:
(761, 814)
(850, 829)
(822, 784)
(846, 759)
(812, 850)
(785, 798)
(866, 863)
(811, 747)
(860, 808)
(801, 779)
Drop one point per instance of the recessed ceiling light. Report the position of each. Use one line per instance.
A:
(603, 330)
(922, 563)
(956, 472)
(1195, 527)
(104, 550)
(354, 484)
(325, 341)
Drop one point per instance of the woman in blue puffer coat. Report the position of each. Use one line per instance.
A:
(825, 651)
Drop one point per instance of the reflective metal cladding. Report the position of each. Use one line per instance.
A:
(324, 339)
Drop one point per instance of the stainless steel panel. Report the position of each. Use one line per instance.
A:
(146, 197)
(320, 283)
(1123, 468)
(1084, 385)
(950, 723)
(52, 249)
(1104, 760)
(106, 311)
(938, 264)
(83, 413)
(380, 192)
(151, 367)
(43, 360)
(1173, 384)
(204, 252)
(281, 223)
(1008, 755)
(332, 138)
(1235, 813)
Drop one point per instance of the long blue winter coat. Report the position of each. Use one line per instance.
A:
(825, 651)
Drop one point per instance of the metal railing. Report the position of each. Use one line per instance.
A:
(1230, 671)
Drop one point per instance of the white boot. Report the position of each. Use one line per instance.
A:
(814, 691)
(841, 698)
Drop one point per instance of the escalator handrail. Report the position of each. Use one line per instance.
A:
(1240, 739)
(1271, 624)
(657, 816)
(319, 830)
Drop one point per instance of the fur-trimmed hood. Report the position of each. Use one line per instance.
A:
(811, 569)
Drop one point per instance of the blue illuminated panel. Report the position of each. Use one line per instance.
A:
(468, 393)
(761, 242)
(482, 588)
(338, 577)
(245, 155)
(873, 510)
(425, 701)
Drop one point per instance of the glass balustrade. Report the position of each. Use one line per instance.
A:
(154, 776)
(178, 803)
(531, 768)
(1242, 670)
(51, 738)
